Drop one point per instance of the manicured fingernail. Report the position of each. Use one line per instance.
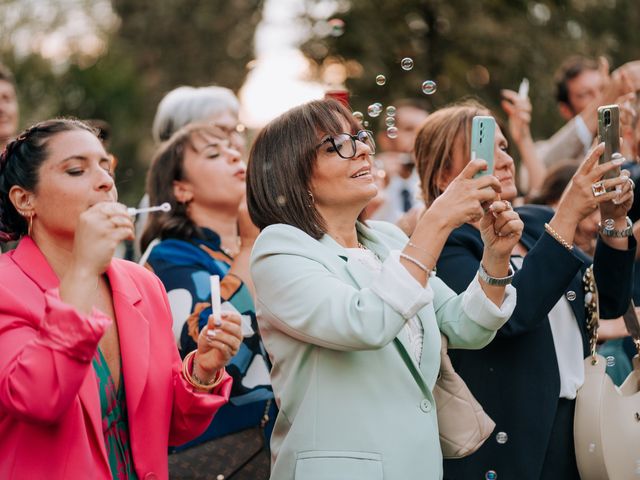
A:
(217, 321)
(618, 161)
(211, 332)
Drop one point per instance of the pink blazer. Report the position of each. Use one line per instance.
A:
(50, 418)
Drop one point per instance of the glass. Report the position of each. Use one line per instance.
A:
(344, 144)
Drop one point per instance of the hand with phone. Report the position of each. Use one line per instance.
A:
(517, 106)
(609, 134)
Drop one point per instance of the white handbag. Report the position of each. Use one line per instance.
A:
(607, 418)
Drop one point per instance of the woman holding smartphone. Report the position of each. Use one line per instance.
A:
(350, 313)
(527, 378)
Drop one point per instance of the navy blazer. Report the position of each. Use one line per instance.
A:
(516, 378)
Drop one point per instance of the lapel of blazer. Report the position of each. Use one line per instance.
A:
(133, 332)
(33, 263)
(361, 275)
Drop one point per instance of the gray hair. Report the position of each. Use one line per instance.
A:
(184, 105)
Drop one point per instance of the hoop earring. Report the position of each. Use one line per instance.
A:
(312, 200)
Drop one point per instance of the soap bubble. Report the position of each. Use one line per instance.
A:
(374, 110)
(381, 80)
(491, 475)
(406, 63)
(358, 116)
(429, 87)
(281, 200)
(502, 438)
(337, 27)
(392, 132)
(391, 111)
(365, 124)
(611, 361)
(390, 122)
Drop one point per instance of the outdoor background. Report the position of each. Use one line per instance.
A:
(114, 60)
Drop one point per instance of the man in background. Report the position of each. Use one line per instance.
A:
(8, 107)
(397, 157)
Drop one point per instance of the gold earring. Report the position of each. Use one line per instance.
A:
(311, 199)
(30, 227)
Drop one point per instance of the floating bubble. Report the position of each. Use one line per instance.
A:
(281, 200)
(390, 122)
(337, 27)
(406, 63)
(491, 475)
(381, 80)
(611, 361)
(592, 447)
(374, 110)
(391, 111)
(429, 87)
(365, 124)
(502, 438)
(358, 116)
(392, 132)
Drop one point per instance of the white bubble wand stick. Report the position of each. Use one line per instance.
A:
(165, 207)
(215, 303)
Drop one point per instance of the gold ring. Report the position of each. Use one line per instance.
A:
(598, 188)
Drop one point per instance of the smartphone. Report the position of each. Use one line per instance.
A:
(483, 131)
(523, 90)
(609, 133)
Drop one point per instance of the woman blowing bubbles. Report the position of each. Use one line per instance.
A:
(350, 313)
(91, 383)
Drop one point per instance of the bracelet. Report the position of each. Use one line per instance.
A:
(495, 281)
(193, 380)
(557, 237)
(611, 232)
(423, 250)
(417, 263)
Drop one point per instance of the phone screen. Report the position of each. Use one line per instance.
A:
(483, 130)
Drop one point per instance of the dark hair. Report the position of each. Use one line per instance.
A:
(20, 165)
(570, 69)
(555, 182)
(281, 163)
(167, 166)
(6, 75)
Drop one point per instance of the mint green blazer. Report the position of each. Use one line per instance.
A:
(354, 403)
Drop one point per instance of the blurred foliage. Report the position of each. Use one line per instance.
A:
(469, 47)
(141, 50)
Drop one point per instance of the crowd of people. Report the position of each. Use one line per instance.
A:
(339, 279)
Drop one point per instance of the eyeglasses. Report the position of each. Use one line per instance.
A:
(344, 144)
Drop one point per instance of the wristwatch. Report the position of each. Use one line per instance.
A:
(611, 232)
(495, 281)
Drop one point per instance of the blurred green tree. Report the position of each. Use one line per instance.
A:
(114, 60)
(469, 47)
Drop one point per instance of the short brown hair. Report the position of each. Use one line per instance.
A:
(570, 69)
(282, 161)
(167, 166)
(436, 140)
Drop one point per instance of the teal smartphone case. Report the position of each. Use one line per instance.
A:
(483, 131)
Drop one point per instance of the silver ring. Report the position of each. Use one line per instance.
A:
(508, 204)
(598, 188)
(633, 184)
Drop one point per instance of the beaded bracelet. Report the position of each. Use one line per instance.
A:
(193, 380)
(557, 237)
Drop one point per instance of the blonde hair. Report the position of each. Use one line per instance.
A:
(436, 141)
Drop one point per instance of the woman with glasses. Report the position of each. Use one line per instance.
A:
(351, 313)
(208, 232)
